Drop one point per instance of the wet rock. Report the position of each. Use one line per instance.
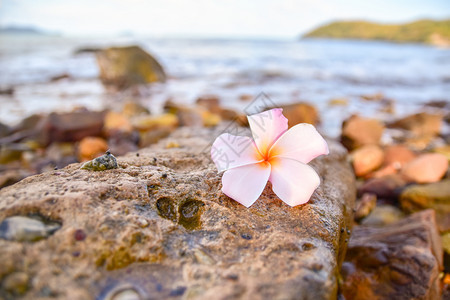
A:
(91, 147)
(365, 205)
(300, 112)
(123, 67)
(116, 122)
(357, 131)
(71, 127)
(11, 152)
(386, 187)
(373, 97)
(196, 244)
(60, 77)
(398, 261)
(383, 215)
(102, 163)
(147, 138)
(195, 116)
(4, 130)
(210, 102)
(338, 102)
(29, 123)
(426, 168)
(209, 119)
(383, 171)
(434, 195)
(367, 159)
(397, 156)
(132, 108)
(9, 91)
(25, 229)
(420, 124)
(230, 114)
(146, 123)
(83, 50)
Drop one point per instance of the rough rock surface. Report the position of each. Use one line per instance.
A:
(398, 261)
(159, 227)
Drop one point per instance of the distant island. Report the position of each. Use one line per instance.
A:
(422, 31)
(24, 30)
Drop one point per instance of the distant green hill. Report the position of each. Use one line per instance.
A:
(422, 31)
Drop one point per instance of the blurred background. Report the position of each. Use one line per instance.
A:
(384, 60)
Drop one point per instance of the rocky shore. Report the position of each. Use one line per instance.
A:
(156, 224)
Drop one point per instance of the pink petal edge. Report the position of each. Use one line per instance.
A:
(302, 143)
(267, 127)
(292, 181)
(229, 151)
(245, 184)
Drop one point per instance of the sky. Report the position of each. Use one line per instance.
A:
(208, 18)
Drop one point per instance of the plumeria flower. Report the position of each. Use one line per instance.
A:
(275, 154)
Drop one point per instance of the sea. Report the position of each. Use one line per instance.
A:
(285, 71)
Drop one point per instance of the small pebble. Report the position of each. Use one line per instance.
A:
(246, 236)
(25, 229)
(179, 291)
(143, 223)
(79, 235)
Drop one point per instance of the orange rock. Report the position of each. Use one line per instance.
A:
(300, 112)
(210, 102)
(116, 122)
(384, 171)
(420, 124)
(426, 168)
(446, 279)
(228, 114)
(367, 159)
(131, 108)
(145, 123)
(91, 147)
(246, 97)
(357, 131)
(209, 119)
(397, 156)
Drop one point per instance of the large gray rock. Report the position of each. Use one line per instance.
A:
(123, 67)
(159, 227)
